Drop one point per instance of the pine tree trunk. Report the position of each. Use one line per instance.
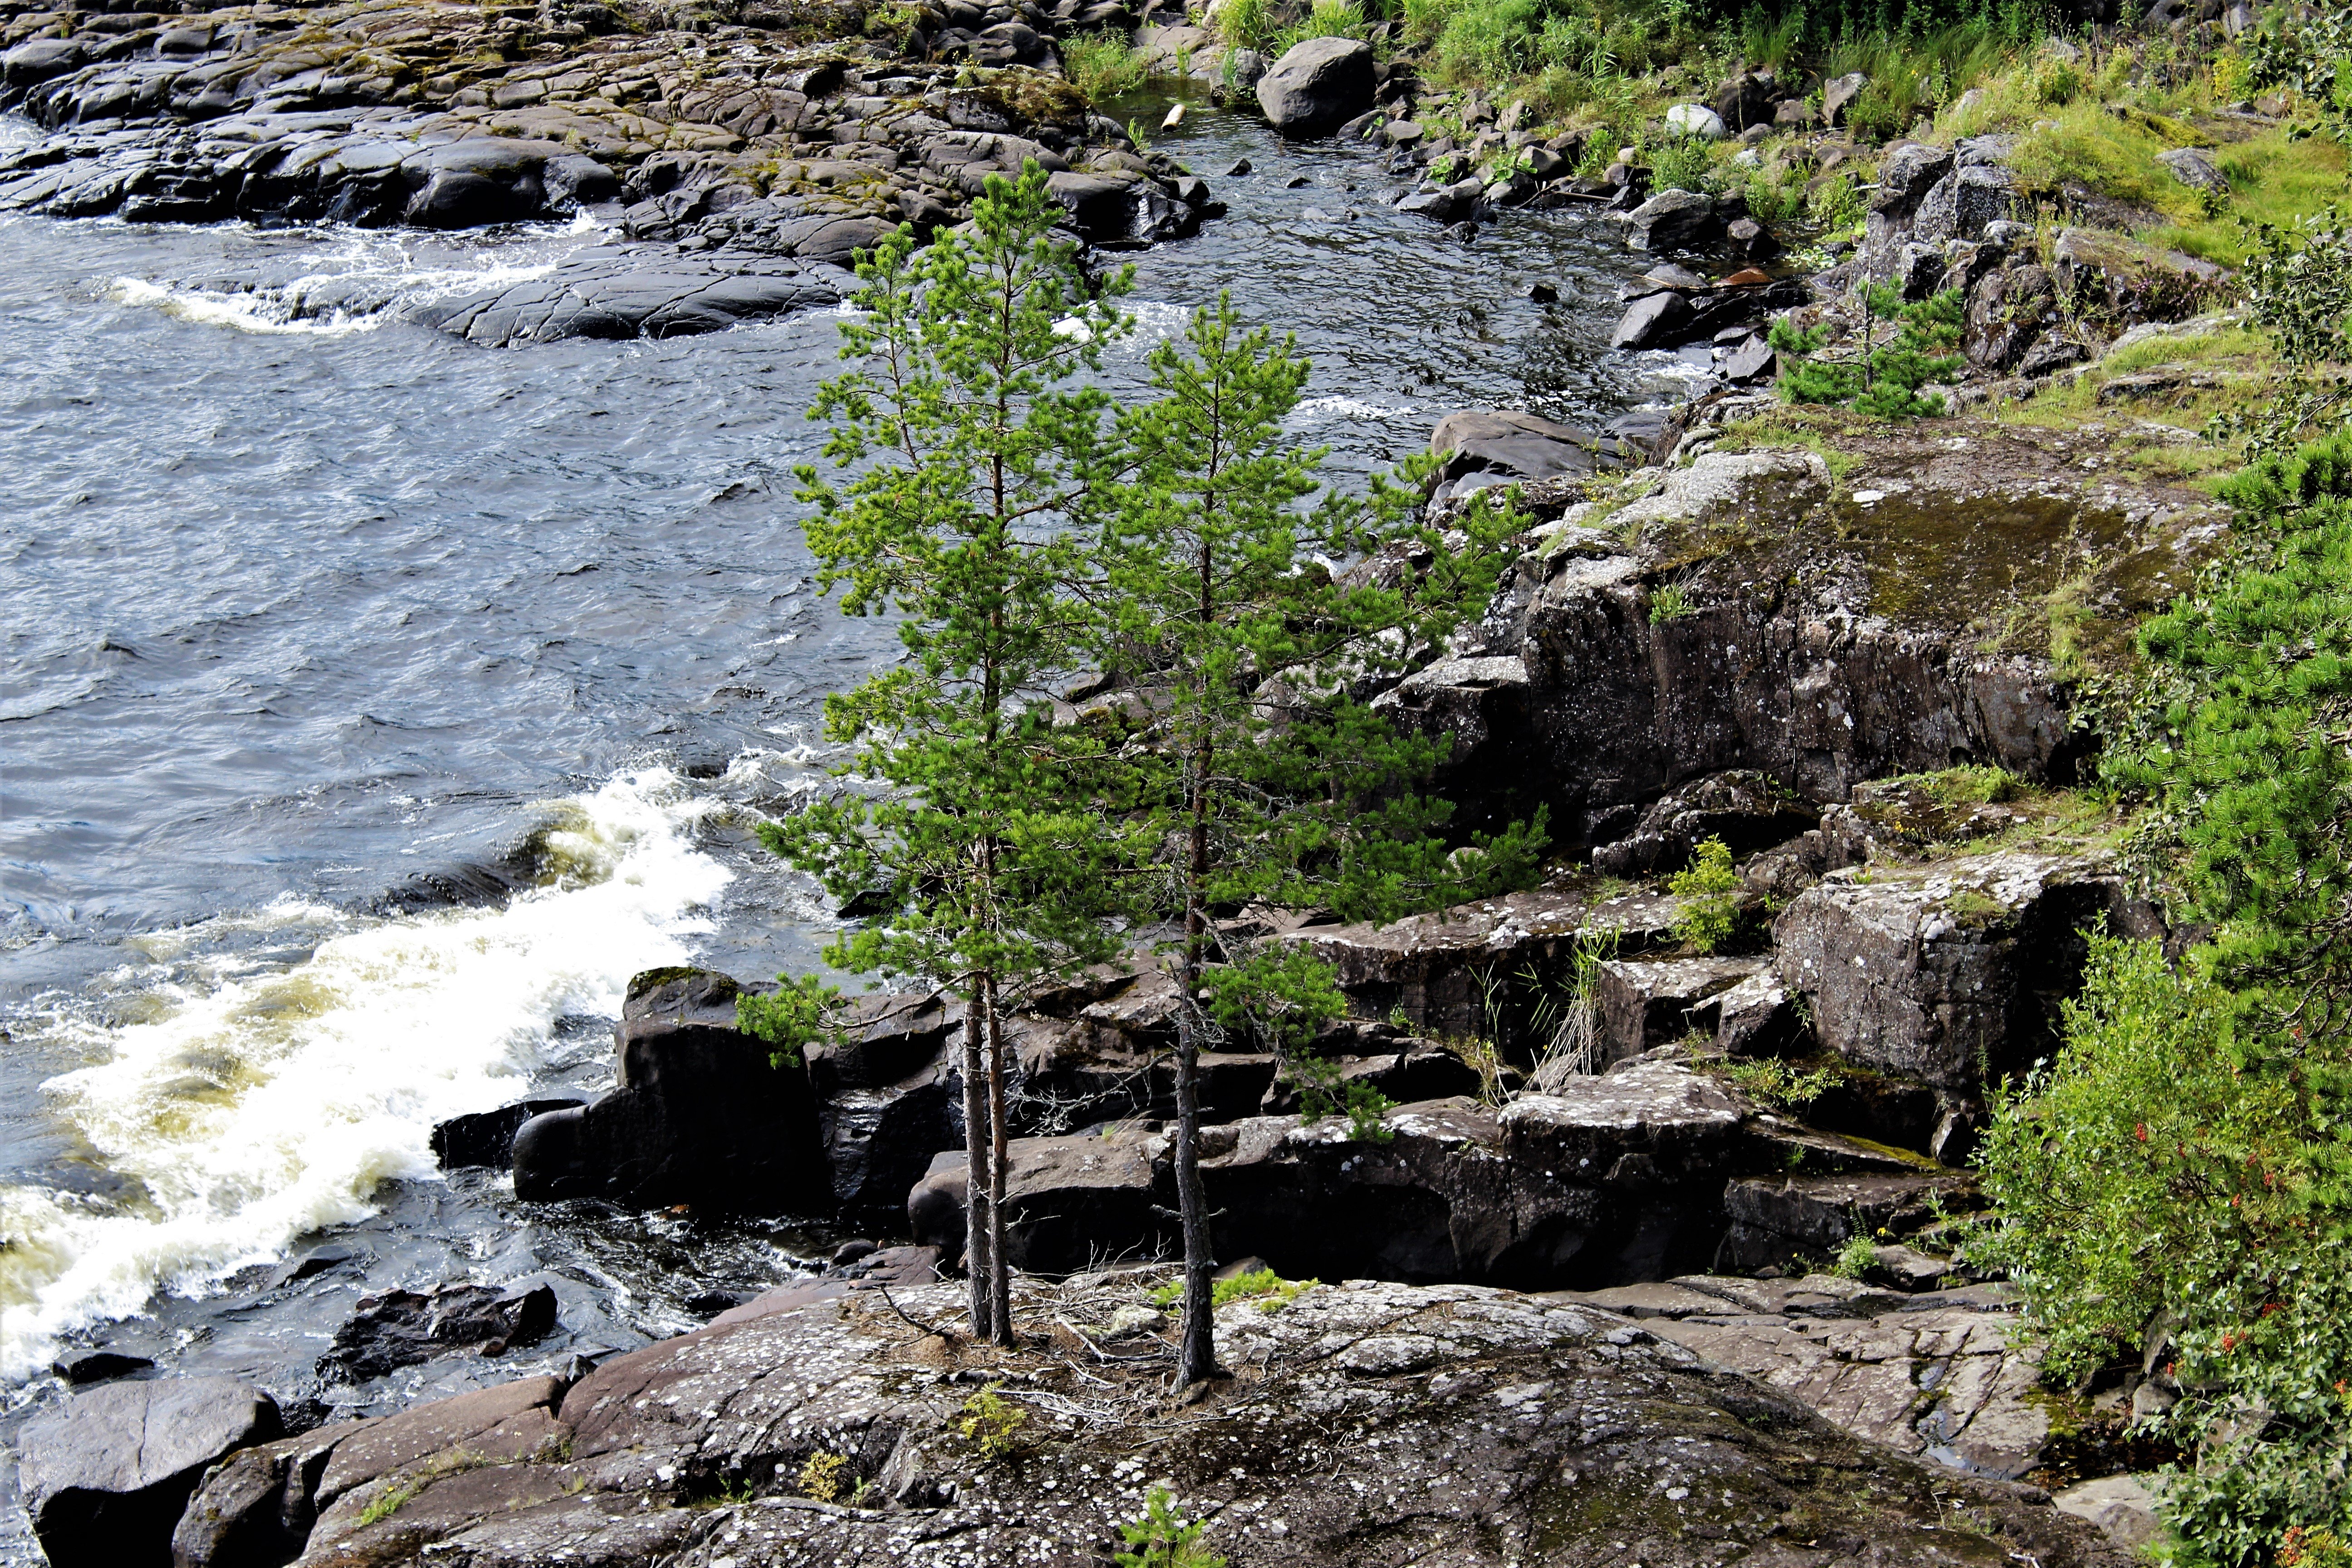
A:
(1000, 1280)
(1197, 1358)
(980, 1218)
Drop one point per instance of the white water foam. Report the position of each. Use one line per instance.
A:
(263, 1103)
(355, 281)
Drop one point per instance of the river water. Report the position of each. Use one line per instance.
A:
(322, 636)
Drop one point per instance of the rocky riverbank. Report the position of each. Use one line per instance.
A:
(745, 162)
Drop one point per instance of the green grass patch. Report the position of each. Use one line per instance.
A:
(1102, 65)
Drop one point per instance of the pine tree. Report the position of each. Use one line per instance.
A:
(972, 819)
(1270, 780)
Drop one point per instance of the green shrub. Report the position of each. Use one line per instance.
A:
(2185, 1156)
(1270, 1290)
(1837, 203)
(1101, 65)
(1857, 1258)
(1166, 1540)
(1774, 1083)
(1885, 382)
(1709, 891)
(1682, 165)
(1245, 25)
(1670, 602)
(992, 1423)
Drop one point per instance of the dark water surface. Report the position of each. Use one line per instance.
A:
(311, 625)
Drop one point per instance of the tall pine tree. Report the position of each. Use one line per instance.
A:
(975, 453)
(1272, 781)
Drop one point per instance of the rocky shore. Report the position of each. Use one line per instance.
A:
(1628, 1183)
(744, 162)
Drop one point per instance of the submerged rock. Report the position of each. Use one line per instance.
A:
(402, 1328)
(106, 1476)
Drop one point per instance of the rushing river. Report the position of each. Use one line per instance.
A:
(322, 634)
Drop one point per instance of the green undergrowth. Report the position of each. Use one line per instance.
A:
(1102, 65)
(1268, 1289)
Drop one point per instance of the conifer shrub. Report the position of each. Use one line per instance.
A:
(1884, 381)
(1709, 890)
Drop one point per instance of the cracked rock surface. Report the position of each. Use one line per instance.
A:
(1365, 1425)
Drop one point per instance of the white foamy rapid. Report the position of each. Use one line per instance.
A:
(258, 1106)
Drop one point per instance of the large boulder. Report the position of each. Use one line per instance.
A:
(1950, 973)
(1479, 449)
(2008, 314)
(1748, 810)
(1674, 220)
(1317, 85)
(263, 1504)
(106, 1476)
(700, 1114)
(486, 1138)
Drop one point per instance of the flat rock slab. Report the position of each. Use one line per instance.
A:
(1938, 1375)
(624, 292)
(1375, 1424)
(105, 1477)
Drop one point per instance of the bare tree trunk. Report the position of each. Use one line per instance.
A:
(980, 1218)
(1000, 1271)
(1197, 1357)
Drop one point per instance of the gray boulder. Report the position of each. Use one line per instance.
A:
(1645, 1003)
(1653, 321)
(1480, 448)
(1951, 971)
(1838, 95)
(1317, 86)
(2007, 316)
(106, 1476)
(1961, 203)
(1674, 220)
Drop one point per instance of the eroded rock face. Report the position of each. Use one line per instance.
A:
(106, 1476)
(1375, 1424)
(1818, 637)
(1948, 972)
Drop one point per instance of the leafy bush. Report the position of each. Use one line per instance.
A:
(1857, 1258)
(1709, 890)
(1837, 204)
(1101, 65)
(1682, 165)
(820, 1475)
(2178, 1176)
(2298, 288)
(1167, 1541)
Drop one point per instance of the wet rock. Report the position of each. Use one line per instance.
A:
(84, 1367)
(624, 293)
(1480, 449)
(1316, 85)
(105, 1477)
(1674, 220)
(1655, 321)
(1945, 973)
(1647, 1003)
(1754, 359)
(404, 1328)
(888, 1097)
(486, 1138)
(700, 1115)
(317, 1260)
